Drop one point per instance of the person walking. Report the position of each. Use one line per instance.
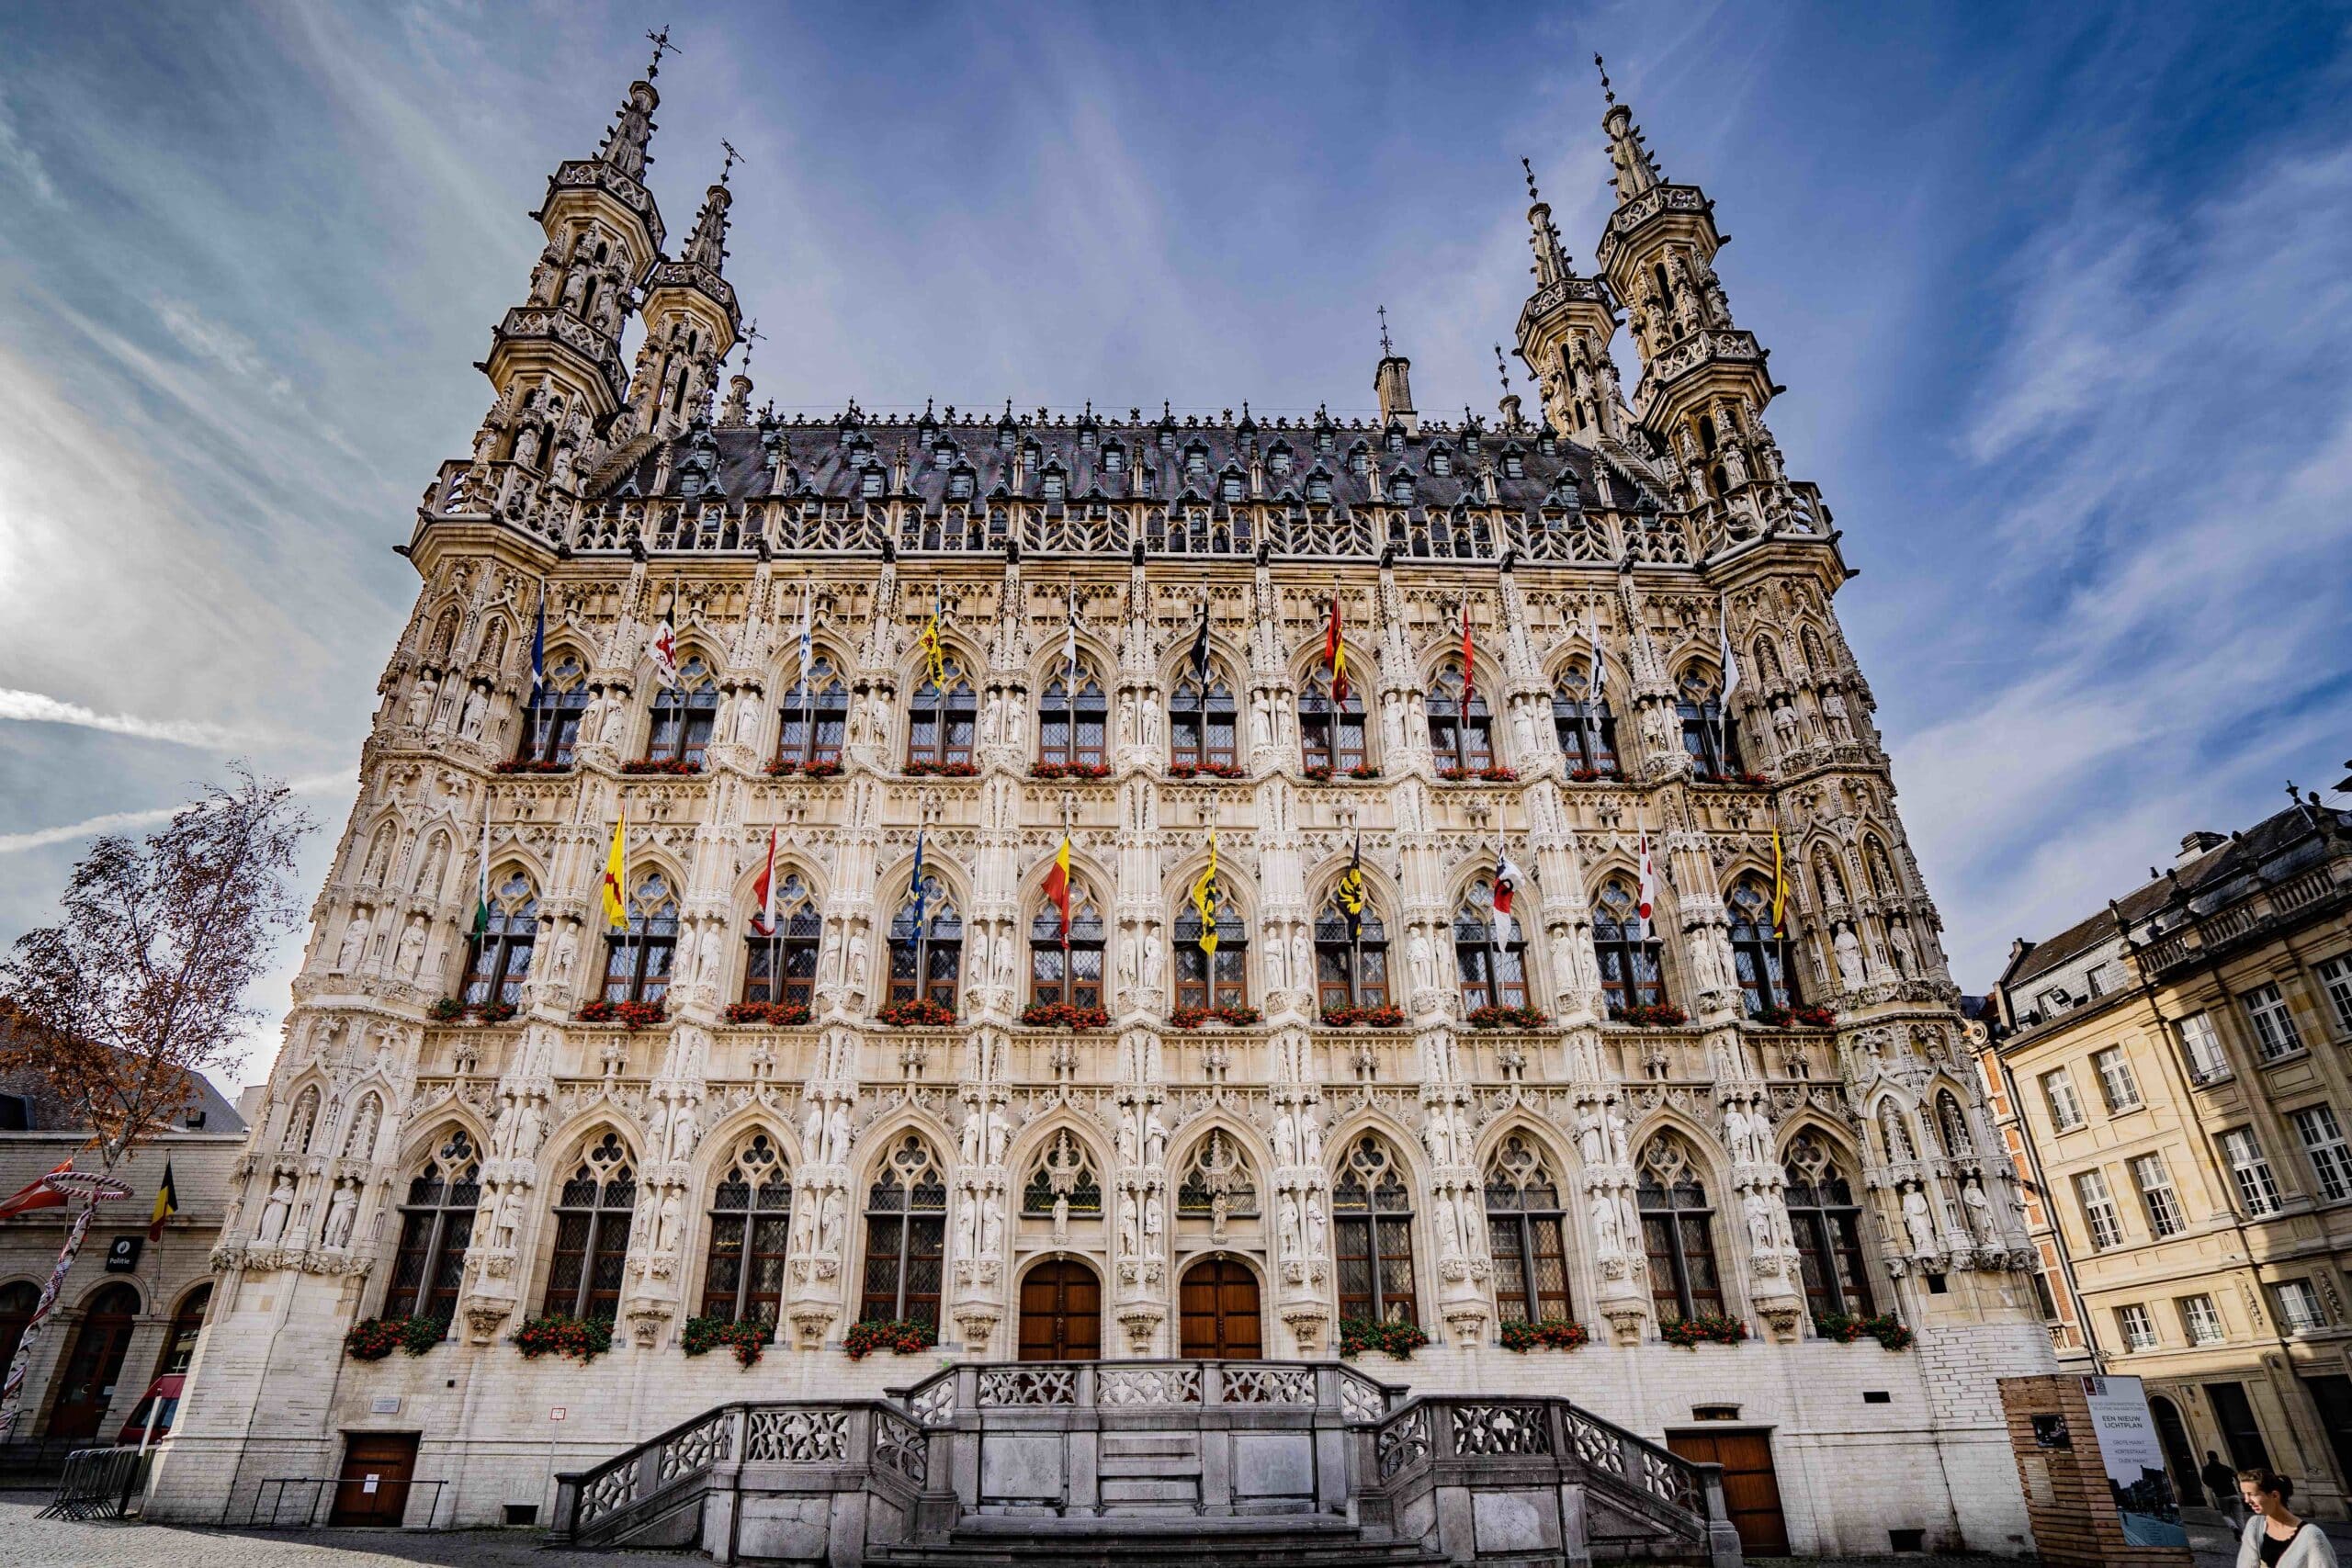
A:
(2222, 1481)
(2275, 1537)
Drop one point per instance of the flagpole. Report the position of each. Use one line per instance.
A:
(1069, 981)
(1069, 697)
(807, 694)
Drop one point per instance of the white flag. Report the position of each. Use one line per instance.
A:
(807, 646)
(1070, 641)
(1592, 689)
(664, 649)
(1647, 898)
(1731, 664)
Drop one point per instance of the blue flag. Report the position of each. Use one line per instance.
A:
(917, 932)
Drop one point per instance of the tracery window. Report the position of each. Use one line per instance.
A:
(1762, 961)
(1526, 1234)
(1216, 1181)
(437, 1226)
(939, 728)
(1063, 1169)
(1951, 1121)
(1678, 1230)
(591, 1221)
(1329, 736)
(498, 957)
(1494, 974)
(1201, 722)
(750, 1223)
(1588, 730)
(551, 725)
(1628, 953)
(1351, 966)
(637, 959)
(1072, 723)
(816, 715)
(1066, 972)
(906, 1236)
(781, 965)
(927, 957)
(1827, 1223)
(1461, 734)
(1371, 1221)
(1706, 734)
(683, 717)
(1196, 987)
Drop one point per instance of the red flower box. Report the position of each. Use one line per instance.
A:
(1070, 770)
(675, 767)
(1505, 1017)
(942, 770)
(1358, 1335)
(1365, 1017)
(899, 1335)
(582, 1339)
(1551, 1334)
(1707, 1328)
(1652, 1015)
(529, 765)
(1063, 1015)
(1481, 776)
(918, 1012)
(1233, 1013)
(777, 1015)
(1207, 770)
(374, 1338)
(1847, 1328)
(704, 1335)
(1797, 1018)
(631, 1016)
(784, 768)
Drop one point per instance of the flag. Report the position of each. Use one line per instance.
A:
(1335, 654)
(482, 873)
(808, 644)
(765, 890)
(1350, 891)
(167, 1203)
(935, 656)
(36, 1194)
(615, 868)
(1779, 887)
(1508, 877)
(1070, 645)
(1647, 896)
(1057, 884)
(920, 899)
(1469, 663)
(1730, 684)
(539, 649)
(1592, 688)
(1201, 647)
(665, 649)
(1206, 899)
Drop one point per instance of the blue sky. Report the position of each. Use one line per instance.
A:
(2060, 296)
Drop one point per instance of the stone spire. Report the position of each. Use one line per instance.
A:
(1564, 330)
(706, 247)
(1551, 256)
(1393, 382)
(1633, 170)
(692, 322)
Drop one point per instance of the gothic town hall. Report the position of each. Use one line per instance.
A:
(897, 981)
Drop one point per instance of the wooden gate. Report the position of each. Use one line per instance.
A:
(378, 1468)
(1219, 1303)
(1061, 1312)
(1751, 1488)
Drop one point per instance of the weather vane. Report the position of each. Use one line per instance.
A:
(1385, 352)
(752, 334)
(1502, 369)
(1606, 90)
(733, 158)
(662, 46)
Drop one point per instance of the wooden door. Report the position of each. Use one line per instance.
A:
(1061, 1312)
(1751, 1489)
(1219, 1303)
(92, 1368)
(378, 1468)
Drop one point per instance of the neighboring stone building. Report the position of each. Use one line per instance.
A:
(121, 1321)
(1409, 1111)
(2169, 1076)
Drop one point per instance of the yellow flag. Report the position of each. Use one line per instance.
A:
(1204, 899)
(615, 868)
(1779, 887)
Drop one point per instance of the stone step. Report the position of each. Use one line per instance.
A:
(1182, 1491)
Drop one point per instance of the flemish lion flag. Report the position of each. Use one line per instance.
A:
(1350, 892)
(167, 1203)
(1335, 654)
(615, 868)
(1779, 887)
(935, 656)
(1205, 898)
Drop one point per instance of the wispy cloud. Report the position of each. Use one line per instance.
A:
(32, 707)
(123, 821)
(16, 155)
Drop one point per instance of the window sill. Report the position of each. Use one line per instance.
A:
(2301, 1053)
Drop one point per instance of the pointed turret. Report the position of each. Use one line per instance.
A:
(1565, 331)
(691, 321)
(1392, 380)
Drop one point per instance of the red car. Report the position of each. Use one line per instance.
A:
(162, 1397)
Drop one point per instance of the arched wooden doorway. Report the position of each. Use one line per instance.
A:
(94, 1364)
(1219, 1306)
(1061, 1312)
(2181, 1457)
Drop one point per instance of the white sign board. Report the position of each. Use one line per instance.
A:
(2135, 1460)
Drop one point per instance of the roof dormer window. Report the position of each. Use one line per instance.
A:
(1114, 457)
(1054, 486)
(1319, 486)
(1358, 462)
(1278, 460)
(1196, 462)
(1324, 441)
(959, 485)
(1400, 489)
(869, 483)
(1394, 440)
(1441, 461)
(1229, 488)
(1514, 466)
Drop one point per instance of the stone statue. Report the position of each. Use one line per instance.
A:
(1591, 1141)
(469, 718)
(1980, 1213)
(666, 1228)
(1310, 1131)
(1618, 1153)
(1302, 957)
(419, 701)
(410, 955)
(1608, 1233)
(343, 1208)
(347, 957)
(277, 1210)
(1833, 708)
(1424, 969)
(1917, 1221)
(857, 950)
(508, 1217)
(812, 1132)
(609, 733)
(747, 719)
(1906, 956)
(1155, 1138)
(1285, 1142)
(1292, 1243)
(829, 1225)
(837, 1134)
(967, 1146)
(567, 954)
(991, 1230)
(1315, 1224)
(1758, 1214)
(1849, 956)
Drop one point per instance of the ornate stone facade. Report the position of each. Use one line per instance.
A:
(1408, 1110)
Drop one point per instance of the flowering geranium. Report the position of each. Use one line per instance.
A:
(1207, 770)
(1319, 774)
(779, 1015)
(373, 1339)
(903, 1336)
(1235, 1014)
(582, 1338)
(917, 1012)
(1588, 775)
(1549, 1334)
(1365, 1017)
(704, 1335)
(1505, 1017)
(447, 1009)
(529, 765)
(676, 767)
(1796, 1017)
(1365, 771)
(785, 767)
(1358, 1335)
(1063, 1015)
(1070, 770)
(1707, 1328)
(1752, 781)
(1846, 1327)
(631, 1016)
(1650, 1015)
(942, 770)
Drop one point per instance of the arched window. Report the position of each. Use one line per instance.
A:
(1628, 953)
(1067, 971)
(1063, 1171)
(782, 963)
(1766, 977)
(592, 1220)
(1371, 1216)
(815, 713)
(187, 1323)
(1827, 1223)
(906, 1236)
(1494, 974)
(1951, 1121)
(638, 960)
(683, 716)
(1071, 721)
(1525, 1234)
(1894, 1133)
(1461, 734)
(301, 1122)
(17, 1303)
(750, 1220)
(1706, 734)
(939, 728)
(1351, 958)
(1228, 986)
(1876, 868)
(1588, 730)
(1200, 721)
(1676, 1228)
(1329, 736)
(927, 957)
(498, 957)
(1216, 1181)
(437, 1226)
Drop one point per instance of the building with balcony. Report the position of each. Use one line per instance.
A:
(2169, 1076)
(1112, 884)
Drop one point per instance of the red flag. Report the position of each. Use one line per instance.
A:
(765, 890)
(1058, 886)
(36, 1194)
(1469, 663)
(1335, 655)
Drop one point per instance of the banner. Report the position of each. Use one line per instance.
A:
(2135, 1461)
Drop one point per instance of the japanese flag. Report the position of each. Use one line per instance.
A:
(1508, 877)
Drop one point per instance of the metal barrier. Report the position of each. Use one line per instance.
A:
(273, 1492)
(100, 1484)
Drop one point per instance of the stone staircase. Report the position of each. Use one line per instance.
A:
(1154, 1464)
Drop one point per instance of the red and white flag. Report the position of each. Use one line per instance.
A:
(664, 649)
(1469, 659)
(1508, 877)
(765, 890)
(36, 1194)
(1648, 896)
